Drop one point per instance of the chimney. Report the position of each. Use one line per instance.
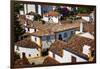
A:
(81, 27)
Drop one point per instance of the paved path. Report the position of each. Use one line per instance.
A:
(37, 60)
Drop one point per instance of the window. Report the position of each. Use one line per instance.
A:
(35, 39)
(48, 38)
(28, 29)
(34, 30)
(72, 32)
(60, 37)
(53, 55)
(29, 55)
(73, 59)
(23, 55)
(65, 35)
(17, 48)
(37, 55)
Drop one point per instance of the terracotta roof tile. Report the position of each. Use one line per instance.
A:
(51, 13)
(89, 27)
(50, 61)
(21, 62)
(27, 43)
(83, 14)
(74, 45)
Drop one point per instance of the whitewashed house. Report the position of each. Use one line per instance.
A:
(28, 48)
(89, 17)
(30, 8)
(78, 49)
(51, 17)
(48, 33)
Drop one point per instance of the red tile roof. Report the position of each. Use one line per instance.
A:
(50, 61)
(74, 45)
(21, 63)
(27, 43)
(83, 14)
(52, 13)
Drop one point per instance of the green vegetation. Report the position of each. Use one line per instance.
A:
(18, 30)
(37, 17)
(16, 56)
(17, 7)
(84, 9)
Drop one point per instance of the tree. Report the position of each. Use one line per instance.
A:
(37, 17)
(84, 9)
(18, 7)
(18, 30)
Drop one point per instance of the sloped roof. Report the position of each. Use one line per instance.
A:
(21, 63)
(27, 43)
(74, 45)
(51, 13)
(50, 61)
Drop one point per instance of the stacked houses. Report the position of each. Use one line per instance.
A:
(58, 40)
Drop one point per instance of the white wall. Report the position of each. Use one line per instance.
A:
(67, 57)
(31, 7)
(37, 39)
(55, 19)
(52, 19)
(62, 33)
(87, 18)
(32, 51)
(31, 30)
(45, 18)
(21, 12)
(5, 44)
(50, 54)
(46, 44)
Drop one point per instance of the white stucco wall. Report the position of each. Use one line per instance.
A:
(46, 44)
(50, 54)
(31, 30)
(52, 19)
(21, 12)
(36, 39)
(26, 29)
(30, 7)
(92, 15)
(87, 18)
(45, 18)
(55, 19)
(32, 51)
(67, 57)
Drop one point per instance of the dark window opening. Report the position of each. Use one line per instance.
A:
(72, 32)
(23, 55)
(48, 38)
(65, 35)
(53, 55)
(29, 55)
(37, 54)
(73, 59)
(35, 39)
(34, 30)
(28, 29)
(60, 37)
(17, 48)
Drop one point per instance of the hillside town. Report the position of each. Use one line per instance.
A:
(50, 34)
